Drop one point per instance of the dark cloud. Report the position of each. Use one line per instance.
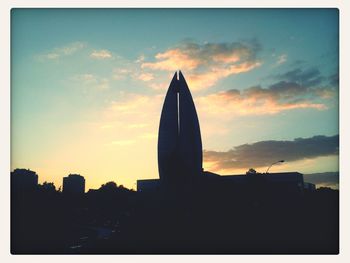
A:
(298, 62)
(334, 80)
(328, 179)
(308, 77)
(264, 153)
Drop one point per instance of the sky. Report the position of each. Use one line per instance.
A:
(87, 88)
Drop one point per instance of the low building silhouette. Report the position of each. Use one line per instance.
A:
(73, 184)
(24, 179)
(286, 182)
(148, 185)
(281, 184)
(309, 186)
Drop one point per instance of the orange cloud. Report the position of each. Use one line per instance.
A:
(278, 97)
(226, 105)
(146, 77)
(172, 60)
(206, 64)
(198, 81)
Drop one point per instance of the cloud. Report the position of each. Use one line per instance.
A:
(52, 55)
(281, 59)
(259, 101)
(203, 80)
(173, 60)
(334, 80)
(101, 54)
(59, 52)
(146, 77)
(285, 94)
(263, 153)
(89, 80)
(121, 73)
(307, 78)
(205, 64)
(327, 179)
(140, 59)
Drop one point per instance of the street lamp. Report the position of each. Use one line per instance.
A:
(280, 161)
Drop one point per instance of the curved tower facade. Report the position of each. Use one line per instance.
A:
(179, 138)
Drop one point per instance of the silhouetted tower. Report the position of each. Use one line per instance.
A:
(73, 184)
(179, 138)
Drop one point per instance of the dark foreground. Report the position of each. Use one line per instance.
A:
(115, 220)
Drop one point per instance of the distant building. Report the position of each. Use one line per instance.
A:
(287, 182)
(284, 183)
(73, 184)
(148, 185)
(24, 179)
(309, 186)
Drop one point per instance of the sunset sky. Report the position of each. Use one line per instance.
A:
(87, 88)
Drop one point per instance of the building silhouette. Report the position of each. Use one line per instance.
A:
(283, 183)
(179, 137)
(73, 184)
(24, 179)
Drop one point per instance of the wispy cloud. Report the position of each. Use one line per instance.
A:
(304, 77)
(281, 59)
(101, 54)
(59, 52)
(263, 153)
(205, 64)
(146, 76)
(51, 55)
(120, 73)
(140, 59)
(89, 80)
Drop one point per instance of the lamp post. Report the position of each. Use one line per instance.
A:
(280, 161)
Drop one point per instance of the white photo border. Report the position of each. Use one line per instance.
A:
(344, 129)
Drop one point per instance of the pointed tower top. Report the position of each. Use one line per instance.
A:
(180, 75)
